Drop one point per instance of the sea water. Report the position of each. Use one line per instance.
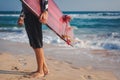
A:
(93, 30)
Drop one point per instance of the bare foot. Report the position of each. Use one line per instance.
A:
(46, 71)
(37, 75)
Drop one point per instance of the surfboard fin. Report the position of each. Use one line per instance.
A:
(67, 38)
(66, 18)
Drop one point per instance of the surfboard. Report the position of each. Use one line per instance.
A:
(57, 21)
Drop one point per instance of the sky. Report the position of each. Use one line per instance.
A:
(69, 5)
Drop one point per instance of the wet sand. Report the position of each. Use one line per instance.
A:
(17, 60)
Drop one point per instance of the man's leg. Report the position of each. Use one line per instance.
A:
(41, 65)
(45, 68)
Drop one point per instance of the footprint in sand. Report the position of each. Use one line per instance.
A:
(14, 78)
(88, 77)
(28, 77)
(22, 61)
(14, 68)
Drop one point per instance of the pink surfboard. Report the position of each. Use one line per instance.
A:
(57, 22)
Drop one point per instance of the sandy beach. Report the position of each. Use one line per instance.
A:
(17, 60)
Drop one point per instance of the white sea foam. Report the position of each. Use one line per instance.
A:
(9, 15)
(94, 16)
(15, 34)
(92, 41)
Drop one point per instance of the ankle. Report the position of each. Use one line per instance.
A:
(39, 71)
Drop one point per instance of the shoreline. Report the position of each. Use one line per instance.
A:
(64, 63)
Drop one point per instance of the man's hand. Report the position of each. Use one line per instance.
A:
(44, 17)
(20, 21)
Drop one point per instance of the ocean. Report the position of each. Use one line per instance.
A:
(93, 30)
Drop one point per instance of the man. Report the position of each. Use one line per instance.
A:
(33, 27)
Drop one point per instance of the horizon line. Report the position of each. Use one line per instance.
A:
(69, 11)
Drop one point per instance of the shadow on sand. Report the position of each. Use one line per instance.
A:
(13, 72)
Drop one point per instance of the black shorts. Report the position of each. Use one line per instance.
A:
(34, 30)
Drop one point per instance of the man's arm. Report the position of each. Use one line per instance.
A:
(44, 15)
(22, 13)
(20, 21)
(44, 5)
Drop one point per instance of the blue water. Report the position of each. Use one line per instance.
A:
(94, 30)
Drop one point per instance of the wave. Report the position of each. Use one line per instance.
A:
(104, 14)
(96, 15)
(97, 44)
(8, 29)
(111, 46)
(86, 16)
(9, 15)
(14, 34)
(109, 41)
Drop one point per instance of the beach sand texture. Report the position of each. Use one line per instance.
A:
(17, 60)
